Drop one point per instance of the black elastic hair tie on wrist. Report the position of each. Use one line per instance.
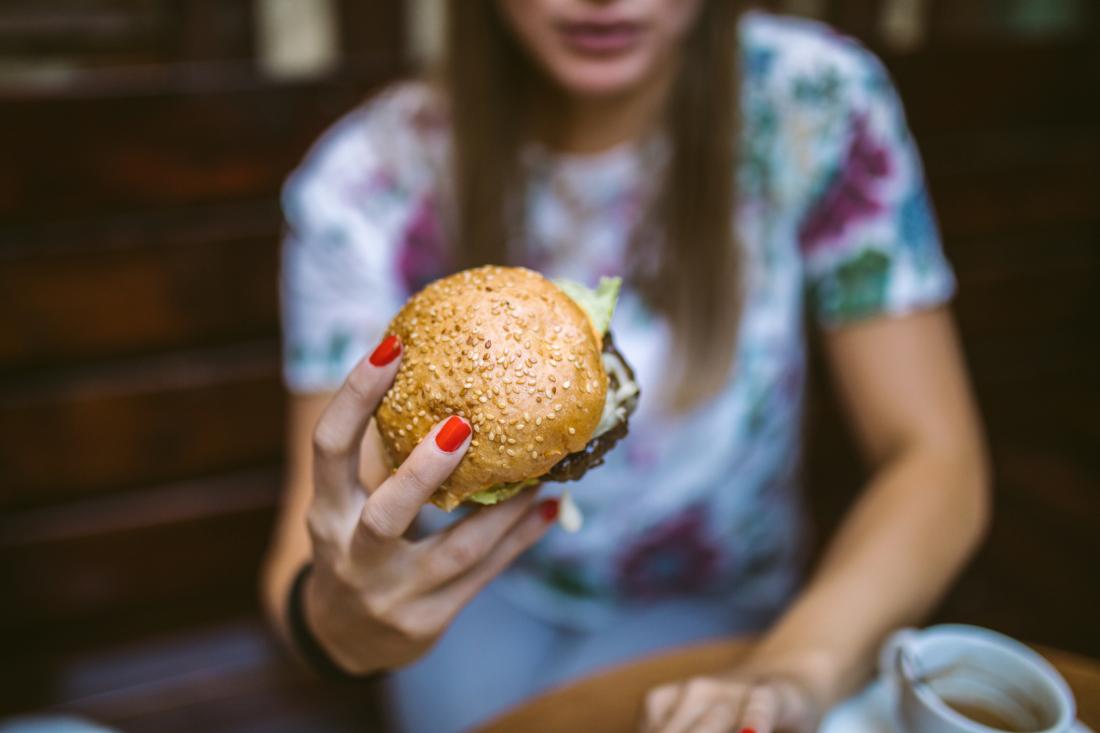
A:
(306, 643)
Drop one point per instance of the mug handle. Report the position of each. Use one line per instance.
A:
(891, 657)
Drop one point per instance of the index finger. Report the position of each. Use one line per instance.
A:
(394, 505)
(340, 430)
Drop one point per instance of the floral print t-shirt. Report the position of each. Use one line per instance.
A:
(833, 218)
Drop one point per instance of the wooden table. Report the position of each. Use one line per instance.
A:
(609, 702)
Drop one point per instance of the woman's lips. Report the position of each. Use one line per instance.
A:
(602, 38)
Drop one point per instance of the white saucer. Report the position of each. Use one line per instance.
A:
(868, 712)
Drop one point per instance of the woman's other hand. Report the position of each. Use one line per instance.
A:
(375, 599)
(736, 702)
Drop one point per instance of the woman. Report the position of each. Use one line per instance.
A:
(741, 170)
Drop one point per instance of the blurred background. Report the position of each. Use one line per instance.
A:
(142, 147)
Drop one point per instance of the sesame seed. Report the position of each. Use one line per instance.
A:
(566, 384)
(511, 441)
(401, 432)
(474, 443)
(527, 416)
(572, 430)
(538, 438)
(510, 452)
(538, 421)
(534, 454)
(482, 398)
(520, 426)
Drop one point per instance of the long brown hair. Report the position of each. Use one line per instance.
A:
(684, 258)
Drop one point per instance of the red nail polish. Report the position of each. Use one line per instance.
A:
(451, 435)
(549, 509)
(748, 730)
(386, 351)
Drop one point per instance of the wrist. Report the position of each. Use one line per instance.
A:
(309, 632)
(312, 616)
(816, 670)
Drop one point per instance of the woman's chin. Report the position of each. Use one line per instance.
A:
(601, 78)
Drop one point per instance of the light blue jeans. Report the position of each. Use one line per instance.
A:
(495, 655)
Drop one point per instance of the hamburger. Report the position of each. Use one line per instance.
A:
(528, 362)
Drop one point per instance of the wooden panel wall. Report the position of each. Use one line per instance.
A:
(141, 408)
(140, 403)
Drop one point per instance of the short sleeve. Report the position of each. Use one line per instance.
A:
(356, 220)
(868, 234)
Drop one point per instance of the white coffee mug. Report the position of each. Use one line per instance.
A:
(975, 668)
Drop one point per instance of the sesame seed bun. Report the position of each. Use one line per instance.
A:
(509, 351)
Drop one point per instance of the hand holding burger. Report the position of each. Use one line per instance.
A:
(374, 599)
(489, 382)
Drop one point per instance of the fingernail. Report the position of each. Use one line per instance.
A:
(451, 435)
(548, 509)
(748, 730)
(386, 351)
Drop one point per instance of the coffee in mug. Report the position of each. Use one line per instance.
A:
(987, 716)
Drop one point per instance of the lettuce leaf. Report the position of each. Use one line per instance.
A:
(500, 492)
(599, 304)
